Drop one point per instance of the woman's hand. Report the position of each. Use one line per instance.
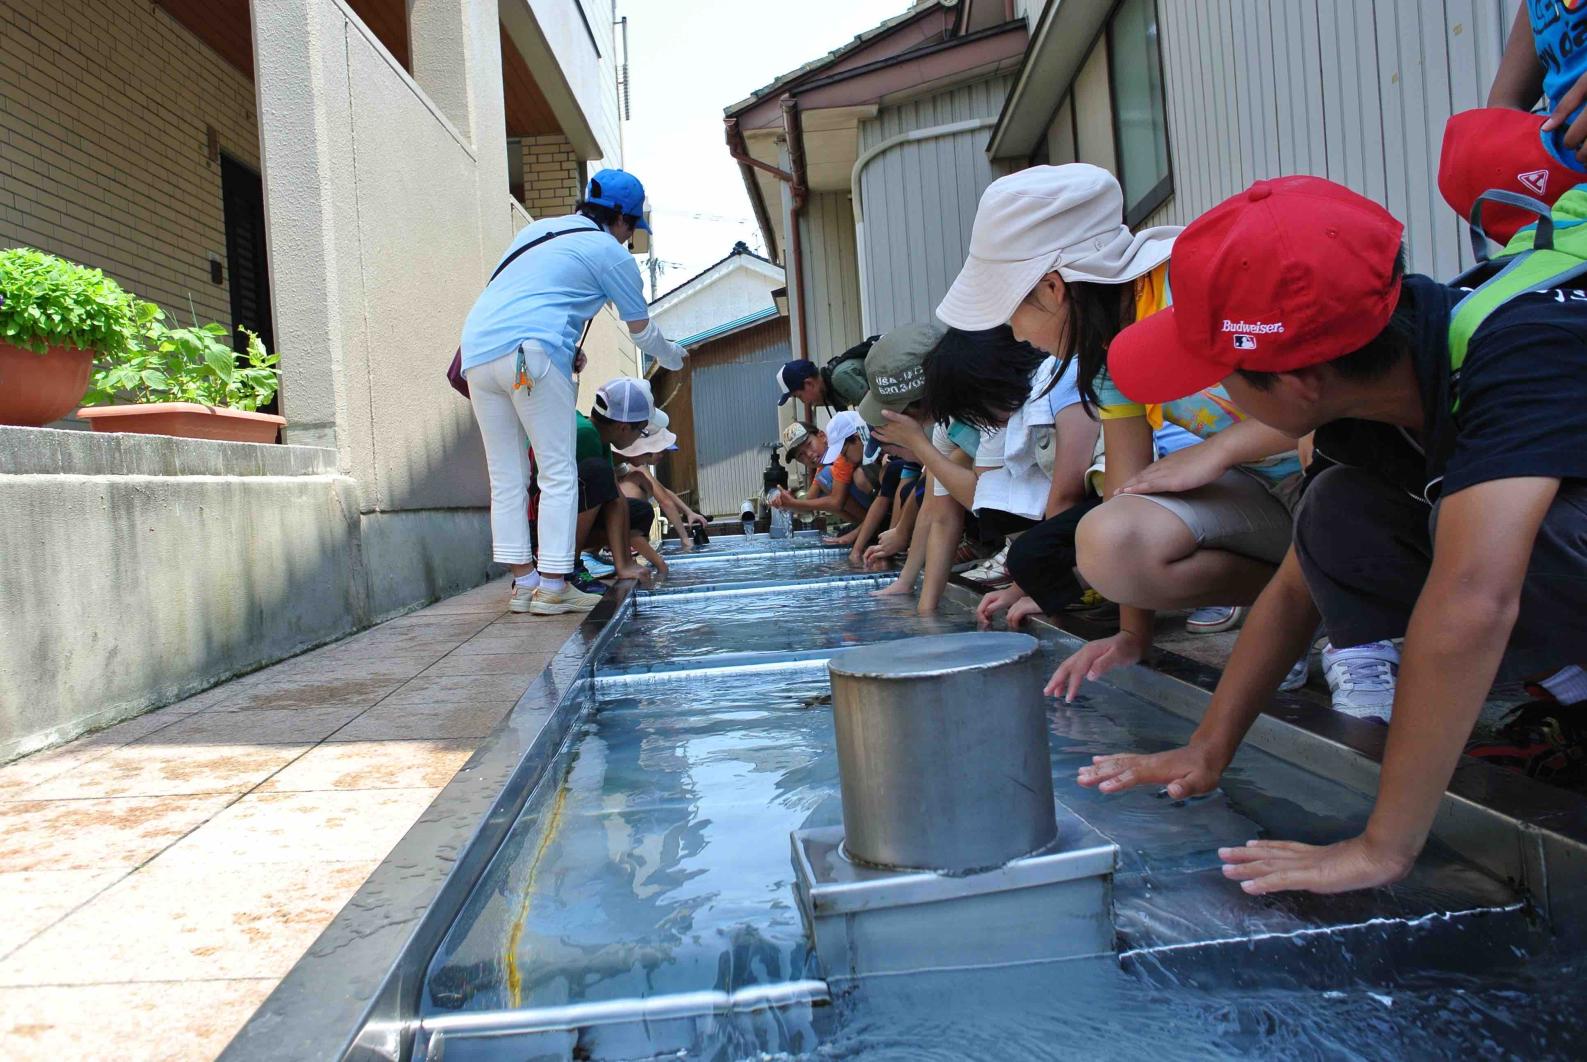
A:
(1192, 467)
(580, 359)
(1183, 772)
(901, 431)
(996, 602)
(1093, 660)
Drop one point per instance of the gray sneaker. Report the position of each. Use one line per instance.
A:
(1362, 678)
(569, 599)
(1297, 675)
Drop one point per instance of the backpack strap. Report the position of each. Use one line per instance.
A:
(1545, 255)
(1479, 236)
(536, 242)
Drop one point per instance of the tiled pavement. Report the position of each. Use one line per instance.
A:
(159, 877)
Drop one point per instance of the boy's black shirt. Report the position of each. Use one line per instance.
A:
(1522, 398)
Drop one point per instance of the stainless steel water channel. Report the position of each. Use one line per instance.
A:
(355, 994)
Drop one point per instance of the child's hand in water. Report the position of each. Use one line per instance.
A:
(1093, 660)
(1183, 772)
(1262, 867)
(996, 602)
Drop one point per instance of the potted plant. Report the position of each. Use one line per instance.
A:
(55, 318)
(187, 382)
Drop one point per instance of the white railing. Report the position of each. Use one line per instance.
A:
(517, 214)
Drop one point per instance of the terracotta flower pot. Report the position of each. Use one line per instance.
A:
(189, 420)
(38, 388)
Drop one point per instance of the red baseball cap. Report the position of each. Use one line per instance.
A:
(1496, 147)
(1289, 273)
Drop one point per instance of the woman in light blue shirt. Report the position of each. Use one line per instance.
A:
(519, 357)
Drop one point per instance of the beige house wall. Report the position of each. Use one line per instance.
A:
(105, 107)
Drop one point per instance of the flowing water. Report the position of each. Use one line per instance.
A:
(654, 859)
(695, 572)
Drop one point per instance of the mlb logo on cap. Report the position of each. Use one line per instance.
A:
(1244, 342)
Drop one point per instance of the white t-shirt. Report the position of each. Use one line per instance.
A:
(1015, 480)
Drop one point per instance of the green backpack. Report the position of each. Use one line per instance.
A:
(1548, 253)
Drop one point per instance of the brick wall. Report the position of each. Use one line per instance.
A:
(104, 106)
(550, 176)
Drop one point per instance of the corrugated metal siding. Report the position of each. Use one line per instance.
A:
(735, 413)
(1354, 90)
(920, 199)
(832, 279)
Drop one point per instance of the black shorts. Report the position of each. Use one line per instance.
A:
(597, 483)
(892, 475)
(640, 517)
(996, 524)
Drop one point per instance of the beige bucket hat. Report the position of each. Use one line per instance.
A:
(1045, 218)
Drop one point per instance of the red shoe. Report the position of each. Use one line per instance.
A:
(1542, 739)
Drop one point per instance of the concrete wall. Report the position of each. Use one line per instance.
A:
(137, 570)
(611, 353)
(104, 107)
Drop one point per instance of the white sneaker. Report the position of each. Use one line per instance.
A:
(519, 601)
(991, 573)
(555, 602)
(1361, 678)
(1297, 675)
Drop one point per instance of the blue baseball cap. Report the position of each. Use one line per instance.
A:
(792, 376)
(621, 191)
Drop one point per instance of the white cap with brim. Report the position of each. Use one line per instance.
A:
(654, 443)
(840, 429)
(1067, 219)
(625, 399)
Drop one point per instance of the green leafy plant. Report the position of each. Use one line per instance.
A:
(50, 302)
(187, 365)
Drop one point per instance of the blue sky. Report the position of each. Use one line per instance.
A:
(688, 60)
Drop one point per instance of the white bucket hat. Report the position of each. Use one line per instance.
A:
(658, 440)
(1045, 218)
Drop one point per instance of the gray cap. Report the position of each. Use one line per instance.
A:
(895, 369)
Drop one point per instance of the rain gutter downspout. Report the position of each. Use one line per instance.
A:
(747, 163)
(969, 125)
(794, 133)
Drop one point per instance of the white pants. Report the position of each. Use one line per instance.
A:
(545, 413)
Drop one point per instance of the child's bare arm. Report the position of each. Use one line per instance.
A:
(1519, 81)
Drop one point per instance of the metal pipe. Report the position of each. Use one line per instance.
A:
(794, 131)
(747, 164)
(943, 759)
